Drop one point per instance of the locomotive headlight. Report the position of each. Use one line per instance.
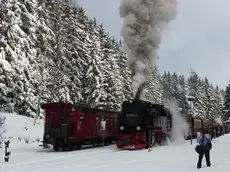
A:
(121, 128)
(138, 127)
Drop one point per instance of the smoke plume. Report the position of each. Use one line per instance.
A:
(144, 21)
(179, 126)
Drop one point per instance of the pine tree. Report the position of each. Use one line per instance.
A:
(208, 99)
(181, 95)
(166, 84)
(17, 52)
(227, 98)
(153, 91)
(125, 73)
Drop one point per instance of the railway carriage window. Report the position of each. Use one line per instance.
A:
(81, 118)
(103, 125)
(168, 124)
(161, 121)
(111, 121)
(157, 121)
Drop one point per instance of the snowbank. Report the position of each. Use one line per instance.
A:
(22, 129)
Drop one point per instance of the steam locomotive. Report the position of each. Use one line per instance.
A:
(141, 124)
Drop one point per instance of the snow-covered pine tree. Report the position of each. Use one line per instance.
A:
(89, 49)
(17, 52)
(195, 89)
(153, 90)
(218, 104)
(115, 76)
(208, 99)
(167, 85)
(181, 95)
(227, 97)
(57, 16)
(110, 71)
(125, 73)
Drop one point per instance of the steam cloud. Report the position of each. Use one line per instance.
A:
(143, 22)
(180, 127)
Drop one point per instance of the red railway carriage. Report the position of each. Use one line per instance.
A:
(70, 127)
(197, 124)
(142, 124)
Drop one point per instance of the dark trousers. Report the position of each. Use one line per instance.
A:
(207, 157)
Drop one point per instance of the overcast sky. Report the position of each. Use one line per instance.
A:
(199, 38)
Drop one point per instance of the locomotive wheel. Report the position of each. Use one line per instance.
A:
(70, 147)
(64, 147)
(109, 142)
(56, 148)
(78, 146)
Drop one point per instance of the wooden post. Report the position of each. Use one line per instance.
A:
(202, 125)
(103, 141)
(150, 138)
(192, 128)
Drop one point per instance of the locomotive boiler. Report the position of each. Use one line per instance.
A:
(141, 124)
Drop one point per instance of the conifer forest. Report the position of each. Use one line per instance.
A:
(52, 51)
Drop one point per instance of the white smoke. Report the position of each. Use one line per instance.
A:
(144, 21)
(180, 127)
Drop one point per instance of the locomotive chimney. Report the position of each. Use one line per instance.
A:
(139, 92)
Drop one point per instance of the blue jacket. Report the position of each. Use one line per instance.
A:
(204, 143)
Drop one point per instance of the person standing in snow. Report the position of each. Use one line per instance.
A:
(205, 146)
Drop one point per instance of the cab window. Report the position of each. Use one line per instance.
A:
(82, 116)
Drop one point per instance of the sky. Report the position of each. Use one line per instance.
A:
(197, 40)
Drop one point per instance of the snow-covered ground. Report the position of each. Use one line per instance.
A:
(21, 129)
(173, 158)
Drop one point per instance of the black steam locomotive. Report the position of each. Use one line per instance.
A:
(142, 124)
